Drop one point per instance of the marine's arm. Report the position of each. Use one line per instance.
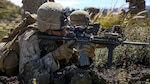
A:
(32, 64)
(30, 52)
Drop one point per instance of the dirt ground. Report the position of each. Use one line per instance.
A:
(119, 74)
(122, 74)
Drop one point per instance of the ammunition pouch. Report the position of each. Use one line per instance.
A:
(9, 62)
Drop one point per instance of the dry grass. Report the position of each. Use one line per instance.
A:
(109, 18)
(125, 56)
(6, 25)
(134, 31)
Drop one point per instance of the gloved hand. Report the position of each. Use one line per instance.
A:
(89, 49)
(63, 51)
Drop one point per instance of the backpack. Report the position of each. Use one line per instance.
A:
(9, 58)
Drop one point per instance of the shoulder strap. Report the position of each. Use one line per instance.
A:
(19, 29)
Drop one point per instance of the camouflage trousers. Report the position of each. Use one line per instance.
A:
(9, 80)
(75, 75)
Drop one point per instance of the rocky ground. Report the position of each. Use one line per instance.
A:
(120, 74)
(131, 74)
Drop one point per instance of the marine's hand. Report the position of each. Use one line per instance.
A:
(89, 49)
(63, 51)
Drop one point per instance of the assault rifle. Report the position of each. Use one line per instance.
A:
(84, 35)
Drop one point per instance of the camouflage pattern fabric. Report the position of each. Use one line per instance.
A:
(49, 15)
(32, 64)
(136, 6)
(9, 80)
(75, 75)
(9, 50)
(28, 5)
(35, 65)
(38, 67)
(1, 46)
(79, 18)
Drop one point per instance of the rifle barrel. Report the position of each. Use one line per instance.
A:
(96, 40)
(135, 43)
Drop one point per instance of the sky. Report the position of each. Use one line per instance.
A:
(81, 4)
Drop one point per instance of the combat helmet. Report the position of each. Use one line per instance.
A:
(50, 15)
(79, 18)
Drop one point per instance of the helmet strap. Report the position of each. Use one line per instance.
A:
(63, 18)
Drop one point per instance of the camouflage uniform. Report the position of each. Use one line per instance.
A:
(33, 63)
(45, 62)
(33, 5)
(1, 46)
(136, 6)
(31, 60)
(82, 75)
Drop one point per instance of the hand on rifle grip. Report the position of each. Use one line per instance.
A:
(89, 49)
(63, 51)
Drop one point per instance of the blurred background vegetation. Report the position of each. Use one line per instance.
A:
(135, 29)
(10, 16)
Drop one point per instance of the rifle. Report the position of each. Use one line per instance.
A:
(83, 35)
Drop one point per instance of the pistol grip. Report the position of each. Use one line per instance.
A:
(84, 59)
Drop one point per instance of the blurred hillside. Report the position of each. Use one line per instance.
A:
(148, 7)
(9, 10)
(10, 16)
